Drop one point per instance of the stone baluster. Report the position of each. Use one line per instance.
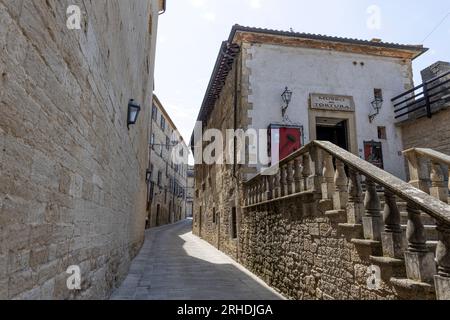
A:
(372, 220)
(317, 177)
(340, 196)
(265, 188)
(256, 190)
(254, 193)
(355, 205)
(306, 172)
(260, 189)
(298, 174)
(418, 172)
(269, 186)
(438, 188)
(328, 186)
(420, 264)
(290, 177)
(442, 280)
(392, 237)
(246, 195)
(283, 180)
(277, 185)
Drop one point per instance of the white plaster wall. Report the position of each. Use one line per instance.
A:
(307, 71)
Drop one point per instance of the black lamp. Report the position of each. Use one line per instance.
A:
(287, 97)
(376, 105)
(133, 112)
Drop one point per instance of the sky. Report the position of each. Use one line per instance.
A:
(191, 31)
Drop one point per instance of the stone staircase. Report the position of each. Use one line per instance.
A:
(402, 228)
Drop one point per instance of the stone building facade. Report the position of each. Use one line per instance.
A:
(167, 183)
(253, 68)
(72, 176)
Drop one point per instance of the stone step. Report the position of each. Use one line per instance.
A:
(408, 289)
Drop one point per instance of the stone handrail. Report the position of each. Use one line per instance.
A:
(431, 154)
(426, 171)
(334, 176)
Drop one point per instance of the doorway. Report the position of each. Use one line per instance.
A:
(334, 131)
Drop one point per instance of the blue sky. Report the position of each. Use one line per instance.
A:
(190, 33)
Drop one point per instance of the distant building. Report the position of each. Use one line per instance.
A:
(167, 180)
(190, 192)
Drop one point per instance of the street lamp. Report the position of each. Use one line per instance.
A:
(133, 113)
(148, 175)
(376, 105)
(287, 97)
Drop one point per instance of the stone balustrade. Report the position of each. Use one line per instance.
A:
(335, 176)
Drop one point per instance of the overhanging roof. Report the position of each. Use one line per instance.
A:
(419, 49)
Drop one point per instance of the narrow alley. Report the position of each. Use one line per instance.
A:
(176, 265)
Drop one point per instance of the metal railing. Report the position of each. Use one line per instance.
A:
(424, 98)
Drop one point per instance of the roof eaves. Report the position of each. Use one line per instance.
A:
(419, 49)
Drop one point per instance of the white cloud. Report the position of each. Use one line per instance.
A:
(198, 3)
(210, 16)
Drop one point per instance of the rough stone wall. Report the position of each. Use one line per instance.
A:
(431, 133)
(72, 177)
(219, 186)
(304, 256)
(215, 185)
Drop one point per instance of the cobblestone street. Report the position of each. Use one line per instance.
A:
(176, 265)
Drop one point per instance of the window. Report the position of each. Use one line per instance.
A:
(165, 195)
(382, 133)
(154, 113)
(163, 123)
(167, 143)
(152, 190)
(233, 223)
(378, 94)
(159, 178)
(151, 172)
(214, 216)
(152, 141)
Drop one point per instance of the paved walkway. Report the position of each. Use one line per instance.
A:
(176, 265)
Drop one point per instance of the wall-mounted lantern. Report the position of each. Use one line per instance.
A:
(287, 97)
(376, 105)
(148, 175)
(133, 113)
